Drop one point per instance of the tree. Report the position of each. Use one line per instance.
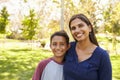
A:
(30, 24)
(3, 20)
(112, 22)
(115, 18)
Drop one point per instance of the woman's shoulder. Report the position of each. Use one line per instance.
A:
(101, 52)
(99, 55)
(100, 49)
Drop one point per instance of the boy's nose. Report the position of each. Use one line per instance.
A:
(57, 47)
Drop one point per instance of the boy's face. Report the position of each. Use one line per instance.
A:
(59, 46)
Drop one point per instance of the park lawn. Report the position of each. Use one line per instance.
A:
(19, 64)
(115, 59)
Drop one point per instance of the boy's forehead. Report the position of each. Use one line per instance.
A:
(58, 38)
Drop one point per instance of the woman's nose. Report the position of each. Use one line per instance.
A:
(77, 29)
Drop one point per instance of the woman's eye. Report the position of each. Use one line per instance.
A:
(73, 28)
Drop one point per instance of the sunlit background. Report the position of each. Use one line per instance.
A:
(26, 26)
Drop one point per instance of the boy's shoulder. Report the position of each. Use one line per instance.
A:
(42, 64)
(45, 61)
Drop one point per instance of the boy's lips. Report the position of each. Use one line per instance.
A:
(58, 52)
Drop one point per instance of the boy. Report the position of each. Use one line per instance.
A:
(52, 68)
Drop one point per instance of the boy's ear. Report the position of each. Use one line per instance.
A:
(50, 45)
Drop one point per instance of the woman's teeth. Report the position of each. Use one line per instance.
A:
(79, 35)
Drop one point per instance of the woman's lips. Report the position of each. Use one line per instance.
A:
(79, 35)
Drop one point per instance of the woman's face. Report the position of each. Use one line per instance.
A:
(79, 29)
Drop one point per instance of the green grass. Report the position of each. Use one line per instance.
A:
(115, 59)
(18, 60)
(19, 64)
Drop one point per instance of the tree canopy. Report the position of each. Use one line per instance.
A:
(3, 20)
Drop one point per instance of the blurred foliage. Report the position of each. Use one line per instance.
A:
(109, 17)
(3, 20)
(30, 23)
(112, 21)
(42, 23)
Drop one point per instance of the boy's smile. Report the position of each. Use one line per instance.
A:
(58, 46)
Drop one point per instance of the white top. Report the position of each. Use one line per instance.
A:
(53, 71)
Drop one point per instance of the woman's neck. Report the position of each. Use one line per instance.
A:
(84, 44)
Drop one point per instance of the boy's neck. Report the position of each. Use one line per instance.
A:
(59, 60)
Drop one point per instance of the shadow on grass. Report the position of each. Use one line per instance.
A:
(19, 64)
(17, 50)
(16, 69)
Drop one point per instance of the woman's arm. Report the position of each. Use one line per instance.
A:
(105, 69)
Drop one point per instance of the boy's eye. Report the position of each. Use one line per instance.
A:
(80, 25)
(54, 44)
(62, 44)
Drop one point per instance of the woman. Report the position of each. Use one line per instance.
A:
(85, 60)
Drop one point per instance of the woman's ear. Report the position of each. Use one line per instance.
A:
(90, 29)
